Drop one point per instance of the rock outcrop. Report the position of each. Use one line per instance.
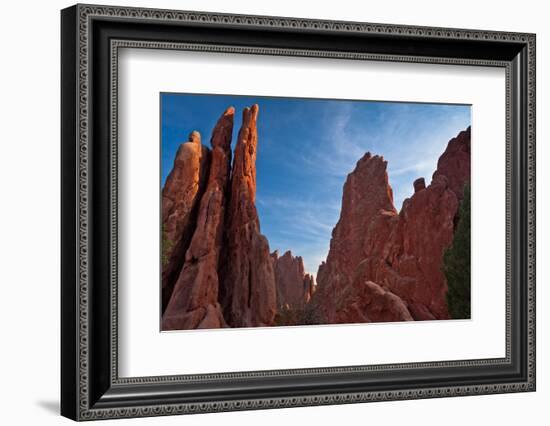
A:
(248, 293)
(392, 261)
(294, 286)
(180, 199)
(366, 301)
(409, 264)
(366, 220)
(194, 301)
(425, 229)
(454, 163)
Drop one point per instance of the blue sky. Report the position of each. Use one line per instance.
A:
(306, 148)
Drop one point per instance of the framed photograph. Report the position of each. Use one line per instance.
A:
(263, 212)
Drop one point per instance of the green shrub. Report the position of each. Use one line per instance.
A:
(456, 263)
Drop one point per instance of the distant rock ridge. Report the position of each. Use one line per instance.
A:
(294, 286)
(386, 258)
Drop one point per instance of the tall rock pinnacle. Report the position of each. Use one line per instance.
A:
(180, 199)
(248, 293)
(365, 221)
(194, 301)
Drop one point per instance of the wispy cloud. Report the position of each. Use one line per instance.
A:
(410, 137)
(418, 168)
(300, 226)
(294, 218)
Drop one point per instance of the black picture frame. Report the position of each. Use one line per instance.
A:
(90, 386)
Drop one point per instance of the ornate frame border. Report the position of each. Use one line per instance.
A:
(85, 14)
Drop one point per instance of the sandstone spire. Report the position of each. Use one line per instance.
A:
(365, 221)
(180, 198)
(248, 290)
(194, 301)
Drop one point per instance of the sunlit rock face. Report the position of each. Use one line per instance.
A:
(180, 200)
(194, 301)
(217, 269)
(248, 294)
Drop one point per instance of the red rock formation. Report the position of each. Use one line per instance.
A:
(248, 292)
(194, 301)
(397, 258)
(180, 198)
(425, 229)
(366, 301)
(454, 164)
(294, 287)
(367, 204)
(309, 287)
(419, 184)
(411, 260)
(366, 193)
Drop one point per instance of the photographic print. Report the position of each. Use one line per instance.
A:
(297, 212)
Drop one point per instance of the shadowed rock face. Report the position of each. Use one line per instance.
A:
(294, 286)
(366, 301)
(379, 255)
(425, 229)
(248, 292)
(180, 199)
(365, 222)
(366, 195)
(454, 164)
(410, 264)
(194, 302)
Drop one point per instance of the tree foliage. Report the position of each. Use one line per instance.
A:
(456, 263)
